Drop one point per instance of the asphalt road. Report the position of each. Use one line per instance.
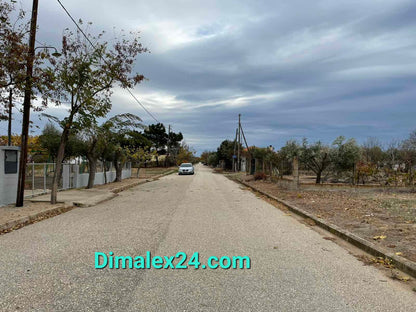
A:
(49, 266)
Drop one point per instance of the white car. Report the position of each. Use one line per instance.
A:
(186, 168)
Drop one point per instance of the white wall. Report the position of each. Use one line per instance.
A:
(81, 179)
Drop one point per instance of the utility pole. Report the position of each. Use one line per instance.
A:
(9, 126)
(235, 149)
(252, 162)
(26, 106)
(239, 142)
(168, 156)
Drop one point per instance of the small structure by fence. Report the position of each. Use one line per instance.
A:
(9, 170)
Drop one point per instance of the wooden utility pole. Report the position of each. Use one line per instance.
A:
(9, 126)
(167, 159)
(252, 162)
(239, 142)
(235, 149)
(26, 106)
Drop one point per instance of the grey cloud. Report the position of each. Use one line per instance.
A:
(301, 68)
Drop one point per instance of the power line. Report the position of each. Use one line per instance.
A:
(88, 39)
(137, 100)
(76, 24)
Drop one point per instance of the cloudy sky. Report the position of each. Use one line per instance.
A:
(293, 69)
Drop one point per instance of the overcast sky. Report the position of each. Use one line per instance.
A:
(293, 69)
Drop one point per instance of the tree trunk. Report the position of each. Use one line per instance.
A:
(138, 169)
(119, 170)
(91, 174)
(318, 177)
(59, 159)
(105, 172)
(157, 160)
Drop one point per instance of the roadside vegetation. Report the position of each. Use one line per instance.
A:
(81, 76)
(342, 162)
(367, 189)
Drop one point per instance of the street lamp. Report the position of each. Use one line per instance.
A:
(54, 54)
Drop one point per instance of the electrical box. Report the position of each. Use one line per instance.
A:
(9, 169)
(10, 161)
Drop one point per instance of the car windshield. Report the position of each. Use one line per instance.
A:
(186, 165)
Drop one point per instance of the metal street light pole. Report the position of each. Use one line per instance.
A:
(26, 106)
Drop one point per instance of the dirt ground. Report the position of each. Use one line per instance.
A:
(10, 213)
(386, 216)
(146, 173)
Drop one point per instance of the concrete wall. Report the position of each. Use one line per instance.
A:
(77, 180)
(8, 182)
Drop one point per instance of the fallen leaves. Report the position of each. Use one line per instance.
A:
(310, 222)
(400, 277)
(365, 259)
(384, 262)
(363, 211)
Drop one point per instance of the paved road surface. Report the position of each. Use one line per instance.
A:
(49, 266)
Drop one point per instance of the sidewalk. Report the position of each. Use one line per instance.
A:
(78, 197)
(38, 208)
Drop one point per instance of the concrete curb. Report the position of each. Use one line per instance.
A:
(164, 174)
(19, 223)
(92, 203)
(16, 224)
(401, 263)
(126, 187)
